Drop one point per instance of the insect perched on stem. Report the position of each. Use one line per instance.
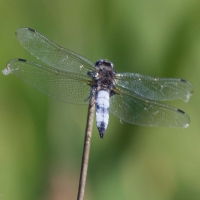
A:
(69, 77)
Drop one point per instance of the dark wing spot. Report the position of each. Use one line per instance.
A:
(183, 80)
(22, 60)
(181, 111)
(30, 29)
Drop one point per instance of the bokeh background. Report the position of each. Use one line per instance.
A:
(41, 139)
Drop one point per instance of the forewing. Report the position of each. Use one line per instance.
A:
(61, 85)
(51, 53)
(159, 89)
(136, 110)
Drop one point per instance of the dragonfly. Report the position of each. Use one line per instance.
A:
(70, 77)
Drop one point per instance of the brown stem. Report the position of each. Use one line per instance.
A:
(86, 149)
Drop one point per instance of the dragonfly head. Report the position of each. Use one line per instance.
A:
(105, 63)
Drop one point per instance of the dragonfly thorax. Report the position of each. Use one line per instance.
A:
(103, 75)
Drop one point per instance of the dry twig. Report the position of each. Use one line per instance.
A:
(86, 149)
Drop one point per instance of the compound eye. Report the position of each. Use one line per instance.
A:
(107, 63)
(98, 63)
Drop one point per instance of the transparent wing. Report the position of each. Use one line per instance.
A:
(61, 85)
(51, 53)
(136, 110)
(159, 89)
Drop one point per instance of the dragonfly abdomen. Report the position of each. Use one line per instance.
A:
(102, 111)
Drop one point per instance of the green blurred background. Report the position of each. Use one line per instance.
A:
(41, 139)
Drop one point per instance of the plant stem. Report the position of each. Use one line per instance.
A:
(86, 149)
